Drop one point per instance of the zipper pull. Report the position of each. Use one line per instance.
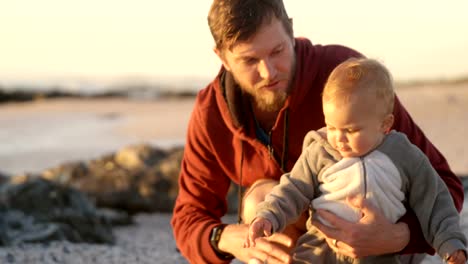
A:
(270, 147)
(270, 151)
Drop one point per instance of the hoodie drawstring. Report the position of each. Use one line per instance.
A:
(284, 156)
(239, 187)
(284, 161)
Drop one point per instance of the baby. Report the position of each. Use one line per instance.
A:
(358, 154)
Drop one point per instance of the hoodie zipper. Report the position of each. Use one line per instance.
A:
(266, 140)
(269, 146)
(284, 155)
(364, 175)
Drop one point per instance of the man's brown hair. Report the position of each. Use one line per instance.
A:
(238, 20)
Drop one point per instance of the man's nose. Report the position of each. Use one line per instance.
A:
(267, 70)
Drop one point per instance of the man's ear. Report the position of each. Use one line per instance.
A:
(388, 123)
(220, 55)
(293, 39)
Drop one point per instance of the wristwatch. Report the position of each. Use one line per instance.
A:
(215, 236)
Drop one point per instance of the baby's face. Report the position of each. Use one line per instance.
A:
(353, 127)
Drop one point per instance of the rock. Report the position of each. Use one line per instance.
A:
(3, 178)
(138, 178)
(138, 157)
(464, 180)
(39, 210)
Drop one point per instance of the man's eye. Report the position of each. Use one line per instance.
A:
(250, 61)
(277, 51)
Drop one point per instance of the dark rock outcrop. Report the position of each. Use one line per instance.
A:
(3, 178)
(38, 210)
(138, 178)
(464, 180)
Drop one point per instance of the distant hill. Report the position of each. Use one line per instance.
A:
(413, 83)
(138, 89)
(144, 93)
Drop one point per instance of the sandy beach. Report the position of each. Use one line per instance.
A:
(442, 113)
(41, 134)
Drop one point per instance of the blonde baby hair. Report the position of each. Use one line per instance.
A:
(361, 76)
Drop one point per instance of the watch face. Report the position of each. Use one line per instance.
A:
(215, 236)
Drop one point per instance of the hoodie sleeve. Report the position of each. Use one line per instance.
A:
(201, 199)
(438, 216)
(404, 123)
(296, 189)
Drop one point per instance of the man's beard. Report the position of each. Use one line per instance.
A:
(265, 100)
(272, 101)
(269, 101)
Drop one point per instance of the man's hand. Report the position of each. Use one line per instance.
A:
(372, 235)
(273, 249)
(457, 257)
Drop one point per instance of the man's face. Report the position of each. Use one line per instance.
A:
(263, 66)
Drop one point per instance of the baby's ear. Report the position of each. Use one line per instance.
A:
(388, 123)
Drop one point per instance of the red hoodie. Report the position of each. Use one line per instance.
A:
(222, 147)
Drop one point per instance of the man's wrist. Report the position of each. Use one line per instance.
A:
(215, 237)
(402, 234)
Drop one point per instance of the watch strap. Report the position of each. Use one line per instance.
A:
(215, 236)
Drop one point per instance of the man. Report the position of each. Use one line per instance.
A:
(248, 126)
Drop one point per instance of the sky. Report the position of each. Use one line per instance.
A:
(109, 39)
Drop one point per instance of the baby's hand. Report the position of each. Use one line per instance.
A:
(457, 257)
(258, 228)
